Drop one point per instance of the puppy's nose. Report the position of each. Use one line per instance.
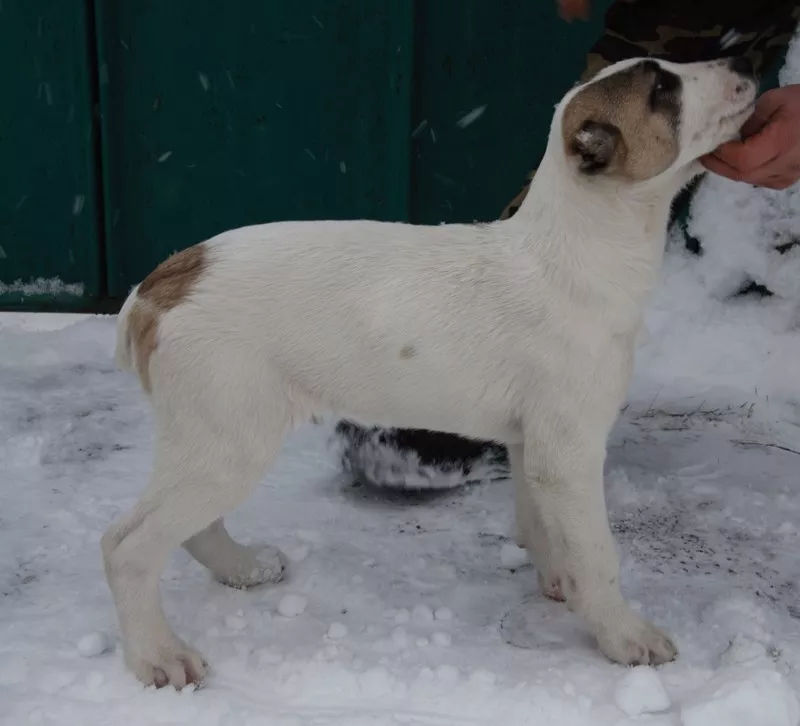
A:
(742, 66)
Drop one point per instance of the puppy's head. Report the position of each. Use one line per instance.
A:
(641, 118)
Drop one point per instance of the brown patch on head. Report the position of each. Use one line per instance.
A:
(625, 124)
(163, 289)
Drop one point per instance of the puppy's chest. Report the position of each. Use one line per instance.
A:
(581, 317)
(571, 351)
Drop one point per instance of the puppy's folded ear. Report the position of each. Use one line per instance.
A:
(598, 145)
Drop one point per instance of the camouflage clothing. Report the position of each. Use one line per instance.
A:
(677, 30)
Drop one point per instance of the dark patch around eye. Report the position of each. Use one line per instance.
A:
(665, 93)
(669, 82)
(650, 66)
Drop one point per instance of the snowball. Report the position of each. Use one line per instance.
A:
(337, 631)
(299, 553)
(513, 557)
(400, 637)
(235, 622)
(483, 677)
(377, 682)
(292, 605)
(442, 640)
(422, 615)
(93, 644)
(639, 691)
(443, 614)
(447, 673)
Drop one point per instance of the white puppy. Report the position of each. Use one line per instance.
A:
(519, 331)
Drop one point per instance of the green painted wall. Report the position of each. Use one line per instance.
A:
(134, 128)
(513, 60)
(48, 200)
(218, 115)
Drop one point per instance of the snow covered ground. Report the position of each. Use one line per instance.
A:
(405, 608)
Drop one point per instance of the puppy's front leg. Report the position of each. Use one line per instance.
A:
(563, 470)
(531, 533)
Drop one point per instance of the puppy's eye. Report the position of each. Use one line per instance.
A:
(666, 82)
(665, 86)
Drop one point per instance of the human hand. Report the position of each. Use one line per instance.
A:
(769, 153)
(571, 9)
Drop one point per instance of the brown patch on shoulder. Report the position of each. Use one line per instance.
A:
(163, 289)
(615, 118)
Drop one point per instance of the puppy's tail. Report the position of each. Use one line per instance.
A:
(124, 352)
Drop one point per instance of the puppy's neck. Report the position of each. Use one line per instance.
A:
(592, 208)
(601, 237)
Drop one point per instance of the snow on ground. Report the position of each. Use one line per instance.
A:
(417, 609)
(404, 608)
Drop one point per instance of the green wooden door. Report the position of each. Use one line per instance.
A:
(218, 115)
(49, 248)
(487, 78)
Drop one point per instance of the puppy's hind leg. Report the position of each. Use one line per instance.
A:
(205, 467)
(233, 564)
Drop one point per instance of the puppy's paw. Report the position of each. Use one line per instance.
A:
(257, 566)
(634, 641)
(176, 665)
